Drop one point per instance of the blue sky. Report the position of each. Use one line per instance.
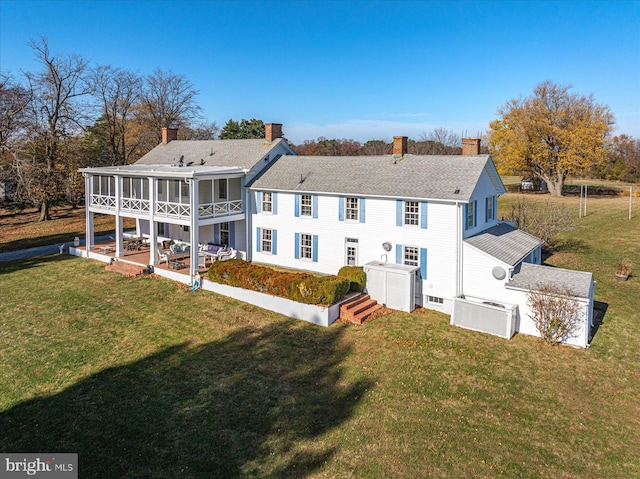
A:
(357, 70)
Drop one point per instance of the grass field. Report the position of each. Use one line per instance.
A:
(21, 230)
(145, 379)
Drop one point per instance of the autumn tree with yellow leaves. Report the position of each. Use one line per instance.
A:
(551, 134)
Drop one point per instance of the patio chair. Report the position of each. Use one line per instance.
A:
(163, 256)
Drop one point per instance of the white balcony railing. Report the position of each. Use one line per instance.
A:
(103, 201)
(174, 210)
(223, 208)
(134, 205)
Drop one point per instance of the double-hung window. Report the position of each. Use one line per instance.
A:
(352, 209)
(306, 205)
(267, 240)
(411, 213)
(490, 208)
(411, 255)
(267, 202)
(306, 246)
(471, 211)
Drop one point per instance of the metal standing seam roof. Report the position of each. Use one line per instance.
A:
(241, 153)
(531, 276)
(505, 243)
(411, 176)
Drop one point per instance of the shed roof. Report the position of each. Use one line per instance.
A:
(241, 153)
(410, 176)
(531, 276)
(505, 243)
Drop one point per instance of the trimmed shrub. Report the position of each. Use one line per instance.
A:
(301, 287)
(356, 275)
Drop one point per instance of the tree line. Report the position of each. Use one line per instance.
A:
(70, 114)
(439, 141)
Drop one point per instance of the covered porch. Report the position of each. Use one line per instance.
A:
(191, 205)
(181, 272)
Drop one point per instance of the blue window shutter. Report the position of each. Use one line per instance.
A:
(398, 254)
(274, 203)
(341, 208)
(232, 234)
(216, 234)
(166, 229)
(258, 239)
(274, 242)
(423, 263)
(398, 212)
(314, 205)
(495, 207)
(314, 244)
(361, 205)
(297, 206)
(423, 215)
(259, 201)
(297, 246)
(466, 216)
(475, 213)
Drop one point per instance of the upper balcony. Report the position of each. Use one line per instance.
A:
(218, 197)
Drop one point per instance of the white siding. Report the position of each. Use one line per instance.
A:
(379, 227)
(477, 274)
(484, 188)
(525, 325)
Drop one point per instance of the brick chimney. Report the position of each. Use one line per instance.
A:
(272, 131)
(169, 134)
(471, 146)
(400, 145)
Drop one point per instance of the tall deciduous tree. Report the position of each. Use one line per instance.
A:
(14, 102)
(118, 92)
(57, 111)
(550, 134)
(168, 100)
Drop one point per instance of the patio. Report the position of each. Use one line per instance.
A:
(105, 250)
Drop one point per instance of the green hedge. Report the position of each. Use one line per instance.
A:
(356, 275)
(301, 287)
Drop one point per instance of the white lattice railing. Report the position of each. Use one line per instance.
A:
(103, 201)
(177, 210)
(135, 205)
(224, 208)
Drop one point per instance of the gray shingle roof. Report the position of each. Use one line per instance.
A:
(242, 153)
(412, 176)
(530, 276)
(505, 242)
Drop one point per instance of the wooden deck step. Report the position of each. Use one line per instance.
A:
(128, 269)
(358, 309)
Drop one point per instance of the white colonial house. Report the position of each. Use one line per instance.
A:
(426, 229)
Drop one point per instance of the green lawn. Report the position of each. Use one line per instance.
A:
(145, 379)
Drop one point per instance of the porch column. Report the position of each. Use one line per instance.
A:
(88, 192)
(119, 245)
(248, 209)
(153, 228)
(194, 225)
